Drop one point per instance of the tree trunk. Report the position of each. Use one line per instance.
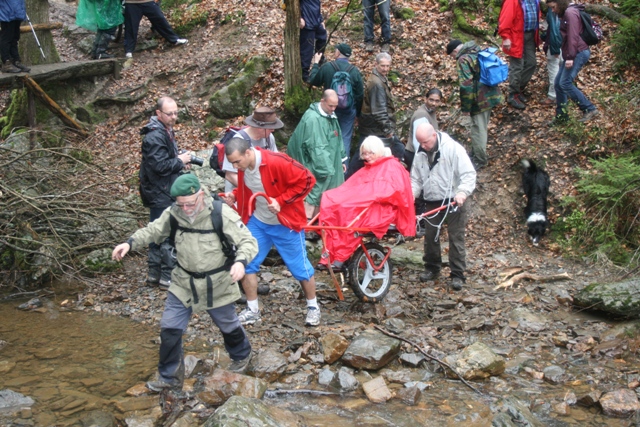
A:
(607, 12)
(292, 67)
(38, 12)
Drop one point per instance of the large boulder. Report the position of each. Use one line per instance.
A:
(619, 298)
(234, 99)
(241, 411)
(371, 350)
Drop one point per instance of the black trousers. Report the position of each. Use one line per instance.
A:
(9, 37)
(133, 13)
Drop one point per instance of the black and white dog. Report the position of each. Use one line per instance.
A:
(535, 183)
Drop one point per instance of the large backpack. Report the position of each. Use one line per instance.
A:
(591, 30)
(341, 83)
(493, 70)
(217, 156)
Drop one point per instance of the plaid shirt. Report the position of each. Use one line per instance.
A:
(530, 15)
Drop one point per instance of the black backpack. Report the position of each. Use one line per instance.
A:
(217, 156)
(591, 30)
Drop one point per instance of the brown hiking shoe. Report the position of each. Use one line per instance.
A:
(21, 66)
(8, 67)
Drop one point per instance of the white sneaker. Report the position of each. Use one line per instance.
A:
(181, 42)
(128, 55)
(313, 316)
(248, 317)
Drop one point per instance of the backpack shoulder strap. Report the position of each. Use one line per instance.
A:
(335, 66)
(216, 221)
(173, 223)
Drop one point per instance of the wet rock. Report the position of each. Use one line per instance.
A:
(562, 409)
(98, 419)
(395, 325)
(299, 378)
(137, 390)
(554, 374)
(268, 365)
(192, 365)
(560, 339)
(589, 399)
(476, 362)
(140, 420)
(325, 376)
(377, 390)
(221, 385)
(3, 344)
(244, 411)
(333, 347)
(612, 349)
(344, 381)
(6, 366)
(570, 398)
(137, 403)
(621, 403)
(528, 320)
(32, 304)
(402, 376)
(371, 350)
(513, 413)
(405, 256)
(622, 330)
(418, 384)
(412, 359)
(513, 366)
(11, 401)
(186, 420)
(619, 298)
(409, 395)
(563, 297)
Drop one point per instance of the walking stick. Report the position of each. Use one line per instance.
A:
(36, 37)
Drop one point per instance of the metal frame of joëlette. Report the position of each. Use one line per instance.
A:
(358, 232)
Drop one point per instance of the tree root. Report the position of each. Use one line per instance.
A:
(444, 364)
(519, 275)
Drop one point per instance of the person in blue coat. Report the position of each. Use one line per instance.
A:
(313, 35)
(12, 13)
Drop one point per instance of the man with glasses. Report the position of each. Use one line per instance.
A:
(161, 165)
(203, 278)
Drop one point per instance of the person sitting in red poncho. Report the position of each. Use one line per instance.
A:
(384, 186)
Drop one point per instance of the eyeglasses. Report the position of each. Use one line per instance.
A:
(189, 205)
(366, 154)
(171, 114)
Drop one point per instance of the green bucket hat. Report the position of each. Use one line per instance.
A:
(185, 185)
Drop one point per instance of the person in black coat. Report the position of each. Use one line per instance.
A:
(161, 165)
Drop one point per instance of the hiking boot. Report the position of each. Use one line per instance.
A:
(159, 385)
(21, 66)
(248, 317)
(240, 366)
(428, 276)
(588, 115)
(153, 278)
(369, 47)
(103, 55)
(181, 42)
(264, 289)
(515, 102)
(456, 283)
(164, 284)
(313, 316)
(8, 67)
(522, 98)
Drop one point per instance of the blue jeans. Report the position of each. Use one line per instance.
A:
(566, 89)
(383, 9)
(346, 118)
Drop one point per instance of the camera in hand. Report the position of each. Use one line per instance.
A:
(195, 160)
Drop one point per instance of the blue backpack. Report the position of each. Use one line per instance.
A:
(493, 70)
(341, 83)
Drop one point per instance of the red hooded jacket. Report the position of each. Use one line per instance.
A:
(511, 26)
(283, 179)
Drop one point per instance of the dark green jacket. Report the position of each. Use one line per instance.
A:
(322, 77)
(474, 96)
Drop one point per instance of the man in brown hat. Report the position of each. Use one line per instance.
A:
(259, 131)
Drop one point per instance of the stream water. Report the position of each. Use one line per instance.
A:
(72, 363)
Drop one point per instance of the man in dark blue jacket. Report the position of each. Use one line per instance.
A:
(12, 13)
(161, 165)
(313, 35)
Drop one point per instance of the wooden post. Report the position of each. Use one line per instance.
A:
(52, 105)
(31, 117)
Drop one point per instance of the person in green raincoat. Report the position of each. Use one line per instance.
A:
(103, 17)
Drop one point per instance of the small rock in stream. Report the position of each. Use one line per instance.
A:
(621, 403)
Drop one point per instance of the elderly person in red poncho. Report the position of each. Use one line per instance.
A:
(383, 185)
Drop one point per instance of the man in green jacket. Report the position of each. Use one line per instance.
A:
(317, 144)
(476, 99)
(204, 279)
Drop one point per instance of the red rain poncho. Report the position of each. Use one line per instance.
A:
(384, 185)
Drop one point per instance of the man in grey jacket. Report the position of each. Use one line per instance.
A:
(443, 172)
(203, 279)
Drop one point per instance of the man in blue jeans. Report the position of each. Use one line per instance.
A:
(384, 9)
(575, 54)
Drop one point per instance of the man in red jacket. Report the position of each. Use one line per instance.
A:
(518, 27)
(276, 221)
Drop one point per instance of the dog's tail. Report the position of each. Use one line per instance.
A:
(529, 165)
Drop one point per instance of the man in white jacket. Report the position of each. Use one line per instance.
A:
(443, 171)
